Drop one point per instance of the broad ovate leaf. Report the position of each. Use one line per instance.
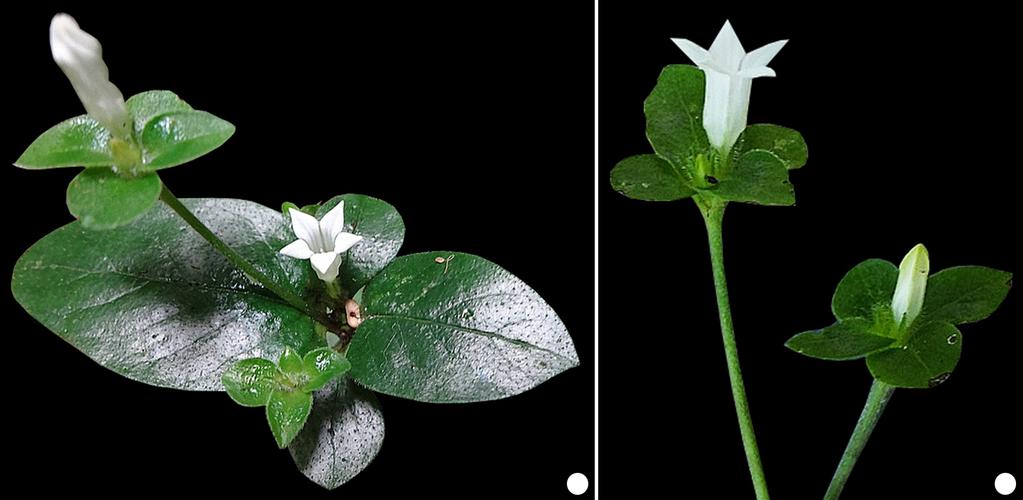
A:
(77, 142)
(785, 143)
(965, 294)
(649, 178)
(102, 199)
(448, 327)
(154, 302)
(850, 339)
(674, 115)
(178, 137)
(342, 435)
(927, 359)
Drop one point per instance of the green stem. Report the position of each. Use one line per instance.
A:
(713, 215)
(880, 393)
(240, 262)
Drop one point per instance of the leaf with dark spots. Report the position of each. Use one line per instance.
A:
(343, 434)
(455, 329)
(154, 302)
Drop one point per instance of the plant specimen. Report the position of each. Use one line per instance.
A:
(305, 312)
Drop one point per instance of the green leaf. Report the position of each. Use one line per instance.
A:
(287, 412)
(78, 142)
(785, 143)
(649, 178)
(926, 360)
(459, 330)
(145, 106)
(102, 199)
(290, 362)
(341, 437)
(841, 341)
(674, 115)
(382, 231)
(965, 294)
(321, 366)
(864, 289)
(250, 382)
(154, 302)
(757, 177)
(182, 136)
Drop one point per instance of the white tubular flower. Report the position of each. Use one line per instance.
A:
(912, 285)
(80, 56)
(730, 72)
(322, 242)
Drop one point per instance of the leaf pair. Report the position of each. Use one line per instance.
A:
(685, 164)
(921, 356)
(285, 389)
(120, 181)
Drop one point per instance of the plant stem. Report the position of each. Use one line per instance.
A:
(240, 262)
(880, 393)
(713, 214)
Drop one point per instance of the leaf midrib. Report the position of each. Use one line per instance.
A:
(484, 333)
(201, 286)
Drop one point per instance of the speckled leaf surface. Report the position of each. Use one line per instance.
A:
(382, 231)
(342, 435)
(448, 327)
(154, 302)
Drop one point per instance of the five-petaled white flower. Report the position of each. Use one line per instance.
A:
(80, 56)
(321, 241)
(730, 72)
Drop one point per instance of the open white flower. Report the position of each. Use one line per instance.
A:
(908, 299)
(730, 72)
(322, 242)
(80, 56)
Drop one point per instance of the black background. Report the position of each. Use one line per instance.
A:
(476, 123)
(912, 125)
